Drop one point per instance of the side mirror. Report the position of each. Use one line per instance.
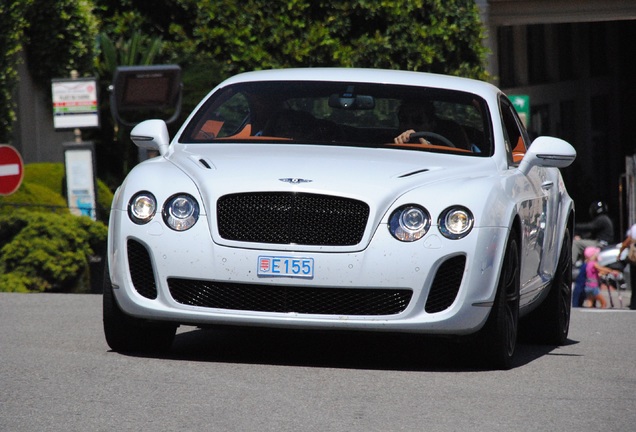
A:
(151, 135)
(548, 152)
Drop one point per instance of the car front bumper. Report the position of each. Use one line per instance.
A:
(432, 286)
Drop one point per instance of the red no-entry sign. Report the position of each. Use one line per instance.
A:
(11, 170)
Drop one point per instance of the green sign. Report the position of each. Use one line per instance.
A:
(522, 105)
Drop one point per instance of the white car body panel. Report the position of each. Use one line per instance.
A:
(384, 178)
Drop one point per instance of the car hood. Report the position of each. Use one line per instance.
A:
(362, 173)
(376, 176)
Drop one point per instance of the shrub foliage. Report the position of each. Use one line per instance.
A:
(47, 251)
(42, 246)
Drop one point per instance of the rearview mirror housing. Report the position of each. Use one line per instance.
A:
(151, 135)
(548, 152)
(351, 101)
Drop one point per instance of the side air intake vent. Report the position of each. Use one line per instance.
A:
(141, 272)
(446, 284)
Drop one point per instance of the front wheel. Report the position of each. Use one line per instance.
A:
(499, 335)
(549, 324)
(125, 333)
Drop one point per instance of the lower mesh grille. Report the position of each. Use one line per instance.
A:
(141, 272)
(285, 299)
(446, 284)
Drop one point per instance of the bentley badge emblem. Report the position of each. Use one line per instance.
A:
(295, 180)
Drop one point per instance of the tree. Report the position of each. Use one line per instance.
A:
(56, 36)
(442, 36)
(60, 38)
(12, 24)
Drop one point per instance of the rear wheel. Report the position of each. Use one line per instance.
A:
(125, 333)
(499, 335)
(549, 324)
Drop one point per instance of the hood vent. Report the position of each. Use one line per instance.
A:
(413, 173)
(201, 162)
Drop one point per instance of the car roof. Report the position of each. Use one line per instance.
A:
(354, 75)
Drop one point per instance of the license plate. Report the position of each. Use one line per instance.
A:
(285, 266)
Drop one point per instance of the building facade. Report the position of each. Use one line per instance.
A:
(574, 59)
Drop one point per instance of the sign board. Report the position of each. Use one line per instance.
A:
(11, 170)
(75, 103)
(522, 106)
(155, 88)
(80, 179)
(143, 87)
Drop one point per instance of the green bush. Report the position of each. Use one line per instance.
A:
(48, 174)
(43, 247)
(43, 189)
(48, 252)
(35, 197)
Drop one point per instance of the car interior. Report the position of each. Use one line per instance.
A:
(368, 115)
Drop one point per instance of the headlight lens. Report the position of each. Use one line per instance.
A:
(181, 212)
(409, 223)
(456, 222)
(142, 207)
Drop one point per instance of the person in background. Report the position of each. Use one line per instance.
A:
(627, 242)
(593, 271)
(599, 232)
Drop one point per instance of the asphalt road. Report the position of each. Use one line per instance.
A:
(57, 374)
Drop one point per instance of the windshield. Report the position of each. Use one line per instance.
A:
(344, 114)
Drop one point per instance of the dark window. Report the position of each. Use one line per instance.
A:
(505, 43)
(568, 67)
(599, 63)
(537, 64)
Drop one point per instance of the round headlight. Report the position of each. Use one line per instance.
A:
(456, 222)
(409, 223)
(181, 212)
(142, 207)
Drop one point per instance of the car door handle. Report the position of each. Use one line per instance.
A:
(547, 185)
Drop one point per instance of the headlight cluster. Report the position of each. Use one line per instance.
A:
(411, 222)
(180, 212)
(142, 207)
(456, 222)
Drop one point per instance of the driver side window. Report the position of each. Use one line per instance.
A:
(516, 139)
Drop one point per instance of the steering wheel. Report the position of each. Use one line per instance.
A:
(433, 136)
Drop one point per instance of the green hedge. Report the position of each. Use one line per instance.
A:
(42, 251)
(43, 190)
(43, 247)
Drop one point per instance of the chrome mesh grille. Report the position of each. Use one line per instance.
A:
(141, 271)
(292, 218)
(286, 299)
(446, 284)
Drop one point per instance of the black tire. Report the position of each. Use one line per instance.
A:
(499, 336)
(549, 324)
(129, 334)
